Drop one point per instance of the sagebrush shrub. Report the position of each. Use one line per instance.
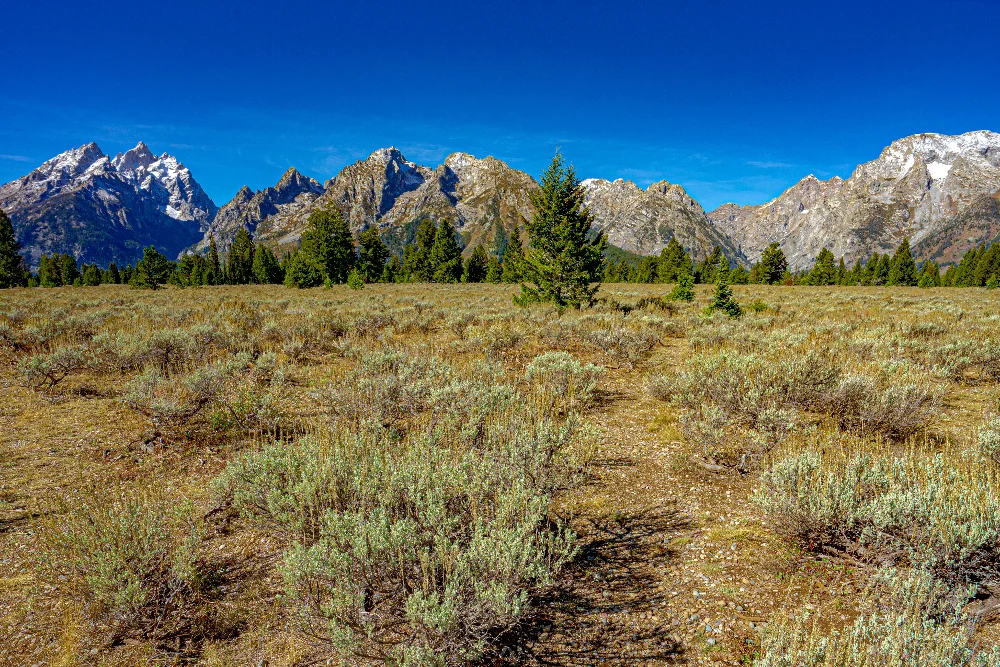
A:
(47, 369)
(565, 377)
(907, 620)
(918, 512)
(989, 437)
(737, 407)
(414, 551)
(131, 558)
(872, 406)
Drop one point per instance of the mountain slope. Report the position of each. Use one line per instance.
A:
(478, 196)
(980, 223)
(915, 188)
(644, 221)
(293, 193)
(100, 210)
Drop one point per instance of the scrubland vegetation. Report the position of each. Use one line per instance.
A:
(418, 474)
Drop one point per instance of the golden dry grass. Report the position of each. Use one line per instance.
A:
(678, 565)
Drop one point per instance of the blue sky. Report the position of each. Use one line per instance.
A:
(734, 101)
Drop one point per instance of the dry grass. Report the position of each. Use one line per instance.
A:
(677, 564)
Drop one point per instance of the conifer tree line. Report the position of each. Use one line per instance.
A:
(329, 253)
(979, 267)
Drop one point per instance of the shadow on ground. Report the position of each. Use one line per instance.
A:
(607, 608)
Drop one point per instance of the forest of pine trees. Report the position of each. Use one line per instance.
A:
(329, 252)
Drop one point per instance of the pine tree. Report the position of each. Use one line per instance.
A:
(853, 276)
(684, 289)
(355, 280)
(151, 271)
(372, 255)
(710, 267)
(48, 272)
(493, 271)
(214, 275)
(948, 279)
(562, 262)
(722, 298)
(445, 259)
(68, 269)
(476, 266)
(930, 275)
(674, 261)
(12, 273)
(987, 266)
(266, 269)
(91, 275)
(512, 269)
(824, 271)
(327, 248)
(773, 264)
(416, 256)
(392, 271)
(239, 267)
(500, 241)
(902, 269)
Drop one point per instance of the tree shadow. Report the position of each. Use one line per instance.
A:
(606, 608)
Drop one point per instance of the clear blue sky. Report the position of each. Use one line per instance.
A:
(734, 101)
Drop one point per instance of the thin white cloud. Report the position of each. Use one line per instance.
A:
(15, 158)
(764, 164)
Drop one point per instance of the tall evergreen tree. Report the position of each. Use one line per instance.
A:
(91, 275)
(445, 258)
(372, 255)
(392, 271)
(327, 248)
(709, 269)
(773, 264)
(987, 266)
(416, 256)
(266, 269)
(824, 271)
(476, 266)
(674, 260)
(902, 268)
(214, 275)
(493, 270)
(112, 275)
(512, 269)
(68, 269)
(500, 240)
(48, 272)
(930, 275)
(239, 267)
(152, 270)
(562, 262)
(12, 273)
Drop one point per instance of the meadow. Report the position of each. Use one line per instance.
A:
(429, 474)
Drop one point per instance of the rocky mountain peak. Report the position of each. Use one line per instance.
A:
(244, 194)
(913, 189)
(644, 221)
(293, 180)
(70, 164)
(134, 159)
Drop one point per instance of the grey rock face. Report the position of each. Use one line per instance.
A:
(480, 195)
(100, 210)
(292, 194)
(644, 221)
(916, 188)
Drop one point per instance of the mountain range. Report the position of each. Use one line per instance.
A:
(942, 192)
